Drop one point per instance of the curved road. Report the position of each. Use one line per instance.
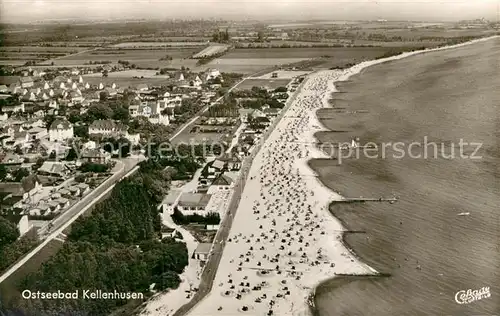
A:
(67, 218)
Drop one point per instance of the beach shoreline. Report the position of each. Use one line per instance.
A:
(339, 280)
(318, 90)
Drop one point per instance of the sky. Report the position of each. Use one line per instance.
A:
(428, 10)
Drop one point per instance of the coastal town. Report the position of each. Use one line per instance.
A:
(171, 161)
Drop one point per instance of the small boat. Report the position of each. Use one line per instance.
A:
(464, 214)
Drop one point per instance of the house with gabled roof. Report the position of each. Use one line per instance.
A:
(60, 130)
(193, 203)
(107, 128)
(222, 183)
(26, 82)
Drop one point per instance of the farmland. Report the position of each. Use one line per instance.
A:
(158, 44)
(126, 82)
(142, 73)
(267, 83)
(282, 74)
(19, 55)
(127, 78)
(140, 57)
(211, 51)
(250, 60)
(300, 53)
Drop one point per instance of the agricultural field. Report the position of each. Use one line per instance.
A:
(247, 65)
(19, 55)
(158, 44)
(144, 73)
(282, 74)
(297, 53)
(127, 82)
(140, 57)
(211, 50)
(267, 83)
(251, 60)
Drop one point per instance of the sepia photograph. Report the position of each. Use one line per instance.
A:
(250, 157)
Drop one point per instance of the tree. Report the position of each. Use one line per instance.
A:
(18, 150)
(105, 73)
(81, 131)
(121, 114)
(39, 162)
(103, 96)
(260, 36)
(99, 112)
(3, 172)
(20, 174)
(8, 232)
(49, 119)
(72, 155)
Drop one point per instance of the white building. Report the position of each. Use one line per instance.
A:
(193, 203)
(170, 201)
(24, 225)
(212, 74)
(202, 251)
(107, 128)
(221, 183)
(60, 130)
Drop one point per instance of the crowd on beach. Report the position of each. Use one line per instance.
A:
(283, 241)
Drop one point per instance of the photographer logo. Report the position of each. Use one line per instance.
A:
(469, 296)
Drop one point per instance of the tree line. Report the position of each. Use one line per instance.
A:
(117, 247)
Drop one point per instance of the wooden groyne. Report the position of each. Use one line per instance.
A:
(354, 232)
(363, 200)
(374, 275)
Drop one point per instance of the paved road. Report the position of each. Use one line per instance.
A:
(210, 269)
(206, 107)
(67, 218)
(121, 169)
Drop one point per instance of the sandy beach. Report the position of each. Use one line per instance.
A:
(284, 241)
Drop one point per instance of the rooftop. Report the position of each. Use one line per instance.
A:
(194, 199)
(223, 180)
(52, 167)
(172, 197)
(203, 248)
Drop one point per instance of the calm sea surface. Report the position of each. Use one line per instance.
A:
(430, 251)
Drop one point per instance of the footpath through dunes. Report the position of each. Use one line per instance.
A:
(283, 241)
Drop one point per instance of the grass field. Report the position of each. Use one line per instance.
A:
(268, 83)
(211, 50)
(136, 56)
(247, 65)
(130, 74)
(304, 53)
(282, 74)
(159, 44)
(250, 60)
(127, 81)
(18, 55)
